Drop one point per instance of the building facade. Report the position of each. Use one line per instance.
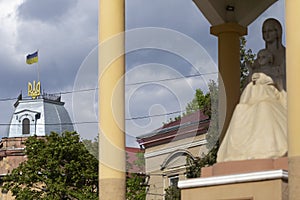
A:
(167, 150)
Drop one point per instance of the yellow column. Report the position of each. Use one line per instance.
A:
(111, 100)
(293, 88)
(229, 69)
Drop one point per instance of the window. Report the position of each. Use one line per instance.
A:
(26, 126)
(173, 180)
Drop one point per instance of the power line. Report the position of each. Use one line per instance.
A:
(96, 122)
(76, 91)
(55, 93)
(53, 124)
(157, 115)
(170, 79)
(129, 84)
(8, 99)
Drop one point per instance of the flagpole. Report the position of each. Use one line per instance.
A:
(38, 72)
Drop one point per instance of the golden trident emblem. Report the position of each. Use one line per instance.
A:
(34, 90)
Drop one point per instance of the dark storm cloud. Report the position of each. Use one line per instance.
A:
(45, 10)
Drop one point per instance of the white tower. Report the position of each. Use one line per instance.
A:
(39, 117)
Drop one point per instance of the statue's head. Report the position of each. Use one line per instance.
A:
(272, 31)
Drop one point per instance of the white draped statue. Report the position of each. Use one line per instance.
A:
(258, 125)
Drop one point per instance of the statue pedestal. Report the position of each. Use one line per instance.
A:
(239, 180)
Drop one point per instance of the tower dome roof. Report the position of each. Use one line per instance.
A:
(39, 117)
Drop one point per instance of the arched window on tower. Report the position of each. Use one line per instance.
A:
(26, 126)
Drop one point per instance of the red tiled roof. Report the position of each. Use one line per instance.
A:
(134, 150)
(193, 117)
(188, 126)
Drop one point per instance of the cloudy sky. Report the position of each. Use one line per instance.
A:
(177, 45)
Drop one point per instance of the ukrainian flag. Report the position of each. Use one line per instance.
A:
(32, 58)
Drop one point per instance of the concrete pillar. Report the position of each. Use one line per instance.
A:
(111, 100)
(293, 89)
(229, 69)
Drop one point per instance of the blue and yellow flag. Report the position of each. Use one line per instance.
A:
(32, 58)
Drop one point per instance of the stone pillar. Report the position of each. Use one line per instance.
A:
(111, 100)
(293, 89)
(229, 69)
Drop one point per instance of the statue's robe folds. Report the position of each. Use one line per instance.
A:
(258, 128)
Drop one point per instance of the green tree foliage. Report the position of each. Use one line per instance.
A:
(172, 193)
(135, 182)
(135, 187)
(208, 104)
(194, 166)
(57, 167)
(92, 146)
(246, 58)
(200, 101)
(213, 134)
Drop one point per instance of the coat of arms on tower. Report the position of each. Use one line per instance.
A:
(34, 89)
